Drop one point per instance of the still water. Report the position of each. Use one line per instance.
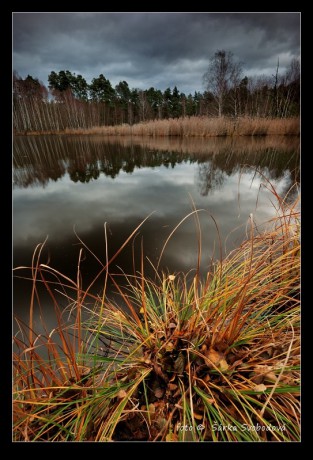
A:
(67, 183)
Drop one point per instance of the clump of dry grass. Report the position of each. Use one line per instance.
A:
(175, 359)
(200, 127)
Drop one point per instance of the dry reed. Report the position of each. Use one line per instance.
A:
(201, 127)
(196, 126)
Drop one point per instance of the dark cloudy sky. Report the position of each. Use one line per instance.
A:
(151, 49)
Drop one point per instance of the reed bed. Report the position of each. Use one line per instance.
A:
(200, 127)
(176, 357)
(195, 126)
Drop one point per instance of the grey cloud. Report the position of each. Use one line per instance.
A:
(150, 49)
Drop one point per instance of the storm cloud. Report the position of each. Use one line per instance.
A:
(151, 49)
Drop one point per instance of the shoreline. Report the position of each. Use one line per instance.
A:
(187, 127)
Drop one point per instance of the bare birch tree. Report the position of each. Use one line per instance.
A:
(222, 74)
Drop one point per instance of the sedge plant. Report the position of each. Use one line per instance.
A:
(173, 358)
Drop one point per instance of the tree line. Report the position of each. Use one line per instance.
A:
(70, 102)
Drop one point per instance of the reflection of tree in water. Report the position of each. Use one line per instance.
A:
(86, 175)
(29, 177)
(273, 164)
(210, 178)
(38, 159)
(37, 175)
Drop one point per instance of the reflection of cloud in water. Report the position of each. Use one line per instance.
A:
(123, 202)
(56, 209)
(42, 158)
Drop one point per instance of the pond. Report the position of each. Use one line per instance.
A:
(64, 186)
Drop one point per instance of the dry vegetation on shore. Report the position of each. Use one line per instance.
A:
(220, 352)
(202, 127)
(194, 127)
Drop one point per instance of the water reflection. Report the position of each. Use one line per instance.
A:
(37, 160)
(66, 181)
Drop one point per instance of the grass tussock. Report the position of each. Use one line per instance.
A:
(201, 127)
(176, 358)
